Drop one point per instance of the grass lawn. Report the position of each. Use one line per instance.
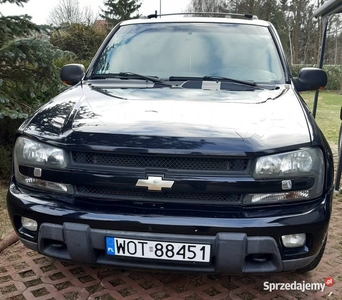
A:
(328, 112)
(328, 118)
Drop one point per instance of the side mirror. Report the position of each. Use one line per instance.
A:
(310, 79)
(72, 74)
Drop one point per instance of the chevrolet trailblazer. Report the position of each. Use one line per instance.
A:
(185, 146)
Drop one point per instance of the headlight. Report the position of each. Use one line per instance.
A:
(39, 156)
(292, 164)
(288, 167)
(32, 153)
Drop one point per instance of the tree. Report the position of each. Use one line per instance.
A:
(18, 2)
(207, 6)
(299, 32)
(29, 74)
(120, 10)
(70, 12)
(81, 39)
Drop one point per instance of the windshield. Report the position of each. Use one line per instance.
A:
(239, 51)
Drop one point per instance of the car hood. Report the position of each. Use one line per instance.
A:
(177, 118)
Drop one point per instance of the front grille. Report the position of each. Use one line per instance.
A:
(165, 162)
(113, 194)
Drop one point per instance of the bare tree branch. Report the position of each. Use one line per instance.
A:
(68, 12)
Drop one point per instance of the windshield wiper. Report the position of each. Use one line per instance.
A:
(215, 78)
(129, 75)
(221, 78)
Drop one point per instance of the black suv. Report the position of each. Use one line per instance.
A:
(185, 146)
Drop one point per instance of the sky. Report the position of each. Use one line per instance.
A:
(39, 9)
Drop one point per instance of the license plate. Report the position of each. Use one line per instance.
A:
(158, 250)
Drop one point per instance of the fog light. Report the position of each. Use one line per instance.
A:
(29, 224)
(294, 240)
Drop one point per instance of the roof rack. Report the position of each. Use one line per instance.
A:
(246, 16)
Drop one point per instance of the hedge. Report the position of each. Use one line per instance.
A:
(7, 135)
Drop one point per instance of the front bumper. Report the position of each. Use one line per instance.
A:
(246, 245)
(78, 242)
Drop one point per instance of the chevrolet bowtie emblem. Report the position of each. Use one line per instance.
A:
(155, 183)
